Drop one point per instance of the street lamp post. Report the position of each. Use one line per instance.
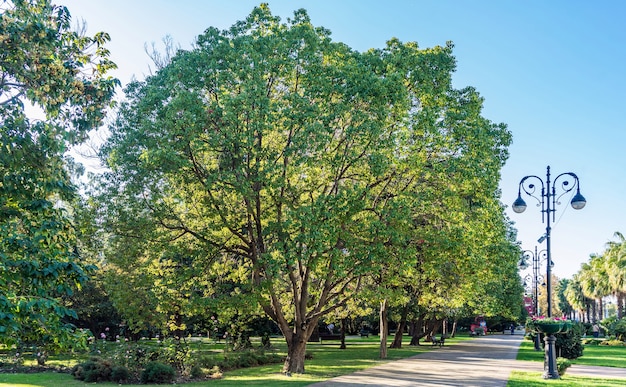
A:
(534, 257)
(548, 200)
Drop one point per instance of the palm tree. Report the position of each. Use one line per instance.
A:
(574, 295)
(594, 283)
(616, 270)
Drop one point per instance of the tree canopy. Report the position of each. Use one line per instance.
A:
(47, 68)
(296, 167)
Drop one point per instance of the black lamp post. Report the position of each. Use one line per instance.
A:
(548, 200)
(535, 278)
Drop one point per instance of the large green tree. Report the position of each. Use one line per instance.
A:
(303, 164)
(61, 75)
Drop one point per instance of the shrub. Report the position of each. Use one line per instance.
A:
(589, 341)
(235, 360)
(119, 374)
(615, 327)
(208, 361)
(93, 370)
(562, 364)
(569, 345)
(196, 372)
(156, 372)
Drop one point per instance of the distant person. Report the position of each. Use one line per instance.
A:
(512, 328)
(331, 328)
(596, 330)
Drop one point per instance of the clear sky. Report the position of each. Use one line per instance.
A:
(553, 71)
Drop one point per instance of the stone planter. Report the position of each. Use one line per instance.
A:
(549, 328)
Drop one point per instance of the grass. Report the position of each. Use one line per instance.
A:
(534, 379)
(593, 355)
(328, 361)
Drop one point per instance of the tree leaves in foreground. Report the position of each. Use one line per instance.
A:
(61, 74)
(293, 166)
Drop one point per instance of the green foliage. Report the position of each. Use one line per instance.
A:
(242, 359)
(270, 168)
(174, 352)
(615, 327)
(562, 364)
(569, 344)
(602, 276)
(592, 341)
(120, 374)
(197, 372)
(45, 64)
(157, 372)
(94, 370)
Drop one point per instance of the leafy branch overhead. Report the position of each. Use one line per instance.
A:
(62, 74)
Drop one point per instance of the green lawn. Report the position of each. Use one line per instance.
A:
(328, 361)
(534, 379)
(593, 355)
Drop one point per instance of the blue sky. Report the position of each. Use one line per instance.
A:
(553, 71)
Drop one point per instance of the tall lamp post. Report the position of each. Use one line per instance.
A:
(535, 278)
(548, 200)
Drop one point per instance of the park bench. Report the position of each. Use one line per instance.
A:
(364, 333)
(438, 341)
(329, 336)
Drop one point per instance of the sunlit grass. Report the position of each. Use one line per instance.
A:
(594, 355)
(534, 379)
(603, 355)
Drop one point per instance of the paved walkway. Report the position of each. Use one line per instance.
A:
(485, 361)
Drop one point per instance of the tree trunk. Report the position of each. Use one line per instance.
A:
(428, 328)
(296, 339)
(343, 334)
(384, 328)
(296, 349)
(433, 327)
(601, 311)
(397, 339)
(418, 331)
(453, 332)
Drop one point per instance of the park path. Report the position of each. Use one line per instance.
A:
(486, 361)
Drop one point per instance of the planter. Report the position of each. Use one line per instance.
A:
(567, 325)
(549, 328)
